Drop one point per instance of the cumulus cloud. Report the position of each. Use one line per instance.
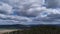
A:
(49, 16)
(29, 12)
(29, 6)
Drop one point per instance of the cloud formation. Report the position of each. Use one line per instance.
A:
(5, 8)
(29, 12)
(52, 3)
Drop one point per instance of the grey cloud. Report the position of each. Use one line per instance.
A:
(15, 18)
(29, 12)
(52, 3)
(5, 8)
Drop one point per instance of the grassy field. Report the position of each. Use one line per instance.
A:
(37, 30)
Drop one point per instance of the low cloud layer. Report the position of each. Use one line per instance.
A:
(29, 12)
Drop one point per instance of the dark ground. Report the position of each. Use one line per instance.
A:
(41, 29)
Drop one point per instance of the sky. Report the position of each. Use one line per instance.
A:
(29, 12)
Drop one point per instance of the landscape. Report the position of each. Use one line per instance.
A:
(29, 16)
(33, 29)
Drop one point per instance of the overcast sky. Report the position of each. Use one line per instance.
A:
(29, 12)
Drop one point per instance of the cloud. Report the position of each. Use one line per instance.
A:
(29, 9)
(52, 3)
(11, 17)
(48, 15)
(23, 7)
(5, 8)
(29, 12)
